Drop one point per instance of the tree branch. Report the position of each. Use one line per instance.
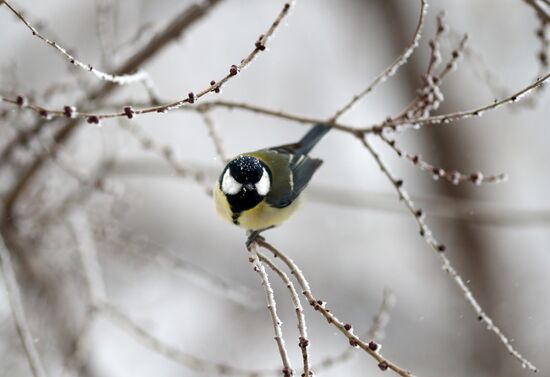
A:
(427, 235)
(371, 348)
(272, 308)
(173, 30)
(18, 313)
(303, 341)
(393, 67)
(120, 79)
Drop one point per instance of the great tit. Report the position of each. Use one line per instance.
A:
(259, 190)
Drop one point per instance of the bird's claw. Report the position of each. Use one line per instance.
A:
(254, 237)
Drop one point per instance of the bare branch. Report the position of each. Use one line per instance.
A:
(74, 360)
(272, 308)
(95, 117)
(543, 14)
(453, 176)
(106, 17)
(375, 332)
(455, 56)
(100, 305)
(173, 30)
(173, 260)
(435, 54)
(80, 228)
(231, 105)
(451, 117)
(392, 68)
(214, 136)
(89, 183)
(167, 153)
(18, 313)
(303, 341)
(115, 78)
(118, 318)
(439, 249)
(371, 348)
(430, 96)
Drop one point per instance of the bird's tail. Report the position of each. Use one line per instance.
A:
(311, 138)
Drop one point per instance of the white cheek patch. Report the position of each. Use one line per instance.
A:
(263, 185)
(229, 185)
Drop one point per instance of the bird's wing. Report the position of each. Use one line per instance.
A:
(292, 160)
(302, 168)
(299, 169)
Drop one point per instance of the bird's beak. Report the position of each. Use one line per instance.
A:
(249, 187)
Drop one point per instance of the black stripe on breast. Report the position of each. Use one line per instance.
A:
(243, 201)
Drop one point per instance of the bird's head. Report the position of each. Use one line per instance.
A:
(245, 181)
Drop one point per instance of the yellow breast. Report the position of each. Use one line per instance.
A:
(260, 217)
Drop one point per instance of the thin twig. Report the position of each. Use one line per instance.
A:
(272, 308)
(105, 25)
(453, 176)
(451, 117)
(129, 112)
(86, 248)
(89, 183)
(455, 56)
(392, 124)
(167, 153)
(167, 258)
(392, 68)
(430, 96)
(115, 78)
(118, 318)
(173, 30)
(98, 182)
(303, 341)
(435, 54)
(74, 360)
(439, 249)
(100, 305)
(214, 136)
(173, 260)
(541, 12)
(375, 332)
(320, 306)
(382, 318)
(18, 313)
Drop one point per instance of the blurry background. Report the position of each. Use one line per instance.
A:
(166, 256)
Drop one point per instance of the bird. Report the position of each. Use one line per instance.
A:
(260, 190)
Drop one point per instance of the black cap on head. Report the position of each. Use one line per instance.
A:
(246, 169)
(245, 182)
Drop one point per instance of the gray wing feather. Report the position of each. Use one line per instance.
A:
(300, 166)
(302, 169)
(302, 172)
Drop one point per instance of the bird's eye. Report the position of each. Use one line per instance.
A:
(263, 185)
(229, 185)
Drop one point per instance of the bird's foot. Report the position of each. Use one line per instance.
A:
(254, 236)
